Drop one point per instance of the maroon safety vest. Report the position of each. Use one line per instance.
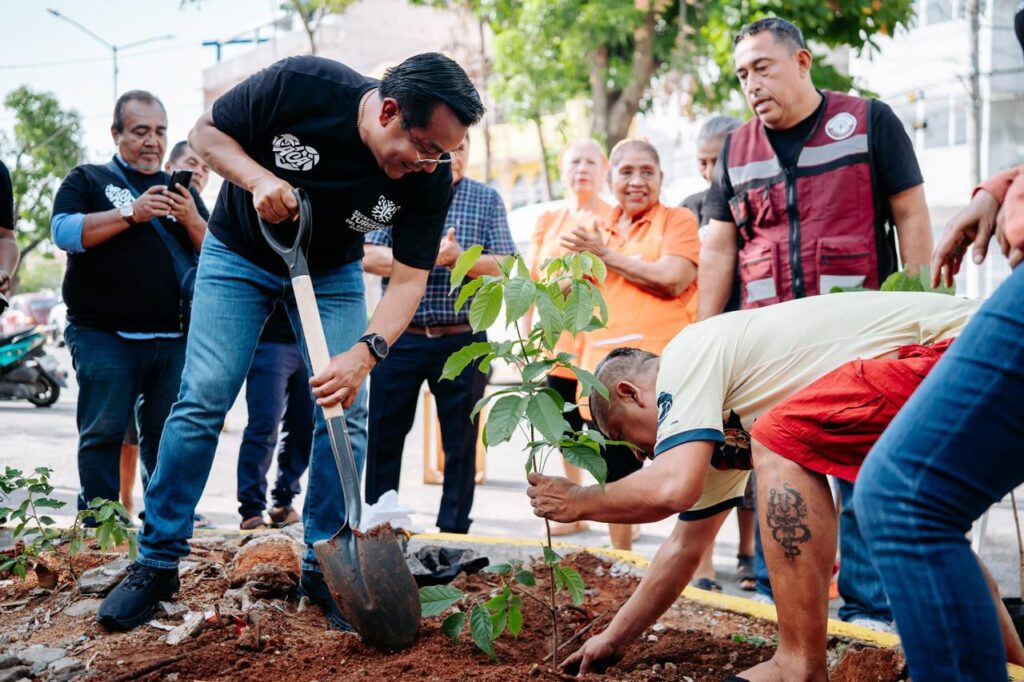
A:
(815, 225)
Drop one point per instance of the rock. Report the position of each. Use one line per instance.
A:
(207, 541)
(874, 665)
(190, 628)
(37, 653)
(670, 670)
(173, 609)
(535, 670)
(275, 550)
(186, 567)
(8, 661)
(659, 627)
(12, 674)
(64, 669)
(652, 638)
(102, 579)
(83, 607)
(296, 532)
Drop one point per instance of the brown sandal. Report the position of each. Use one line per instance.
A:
(253, 523)
(745, 572)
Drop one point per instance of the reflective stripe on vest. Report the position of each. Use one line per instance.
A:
(808, 227)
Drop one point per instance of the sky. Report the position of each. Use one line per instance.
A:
(47, 53)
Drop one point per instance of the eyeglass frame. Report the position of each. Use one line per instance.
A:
(420, 161)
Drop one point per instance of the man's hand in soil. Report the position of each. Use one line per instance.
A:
(449, 251)
(341, 380)
(274, 199)
(553, 497)
(183, 206)
(596, 655)
(151, 204)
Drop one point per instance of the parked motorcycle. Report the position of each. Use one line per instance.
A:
(27, 371)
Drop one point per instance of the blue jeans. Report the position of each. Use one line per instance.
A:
(394, 392)
(111, 371)
(276, 387)
(233, 299)
(955, 448)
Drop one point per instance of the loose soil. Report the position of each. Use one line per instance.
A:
(281, 642)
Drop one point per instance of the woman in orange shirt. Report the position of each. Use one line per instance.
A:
(583, 168)
(651, 252)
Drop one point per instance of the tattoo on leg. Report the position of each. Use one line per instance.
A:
(786, 515)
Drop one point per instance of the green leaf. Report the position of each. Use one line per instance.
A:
(550, 318)
(49, 503)
(579, 307)
(597, 267)
(452, 625)
(573, 582)
(551, 556)
(482, 630)
(532, 370)
(6, 566)
(515, 619)
(46, 520)
(133, 545)
(590, 383)
(545, 414)
(500, 569)
(526, 577)
(585, 458)
(484, 309)
(498, 622)
(464, 263)
(576, 266)
(498, 601)
(434, 599)
(466, 291)
(504, 417)
(519, 297)
(460, 359)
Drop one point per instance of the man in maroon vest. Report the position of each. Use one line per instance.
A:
(803, 199)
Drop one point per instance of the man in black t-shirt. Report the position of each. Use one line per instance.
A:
(356, 146)
(122, 291)
(8, 246)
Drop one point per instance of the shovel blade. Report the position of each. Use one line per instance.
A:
(372, 585)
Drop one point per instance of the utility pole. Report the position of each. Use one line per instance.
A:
(114, 49)
(974, 91)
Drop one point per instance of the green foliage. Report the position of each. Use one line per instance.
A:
(45, 146)
(547, 52)
(902, 281)
(38, 531)
(40, 271)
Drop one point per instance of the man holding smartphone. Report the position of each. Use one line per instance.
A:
(365, 152)
(122, 292)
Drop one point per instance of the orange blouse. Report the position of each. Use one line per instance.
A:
(546, 243)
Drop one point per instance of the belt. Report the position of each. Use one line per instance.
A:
(433, 332)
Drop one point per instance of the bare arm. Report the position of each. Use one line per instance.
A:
(377, 259)
(670, 571)
(913, 227)
(717, 268)
(668, 276)
(103, 225)
(671, 484)
(9, 256)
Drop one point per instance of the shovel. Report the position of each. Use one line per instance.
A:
(365, 572)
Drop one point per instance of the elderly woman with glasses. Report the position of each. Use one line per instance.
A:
(651, 252)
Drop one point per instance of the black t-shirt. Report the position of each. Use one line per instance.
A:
(695, 202)
(127, 283)
(895, 164)
(6, 198)
(297, 119)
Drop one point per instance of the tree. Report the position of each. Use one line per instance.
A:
(312, 12)
(611, 51)
(46, 145)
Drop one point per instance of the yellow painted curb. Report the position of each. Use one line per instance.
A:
(725, 602)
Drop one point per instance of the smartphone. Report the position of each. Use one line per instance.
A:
(182, 177)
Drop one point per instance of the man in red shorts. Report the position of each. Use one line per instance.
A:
(795, 391)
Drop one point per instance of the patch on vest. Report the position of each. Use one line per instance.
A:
(841, 126)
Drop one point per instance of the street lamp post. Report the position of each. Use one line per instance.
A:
(114, 49)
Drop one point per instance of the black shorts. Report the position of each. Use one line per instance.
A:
(620, 460)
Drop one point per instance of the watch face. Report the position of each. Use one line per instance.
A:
(380, 346)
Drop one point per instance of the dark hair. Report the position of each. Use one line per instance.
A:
(177, 151)
(641, 144)
(122, 102)
(784, 32)
(422, 82)
(621, 363)
(716, 128)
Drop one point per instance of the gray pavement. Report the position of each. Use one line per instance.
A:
(32, 437)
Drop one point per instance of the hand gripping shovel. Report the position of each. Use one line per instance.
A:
(366, 572)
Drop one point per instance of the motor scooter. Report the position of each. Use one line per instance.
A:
(27, 371)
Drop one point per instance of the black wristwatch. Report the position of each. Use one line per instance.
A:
(378, 346)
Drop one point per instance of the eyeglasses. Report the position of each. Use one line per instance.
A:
(446, 157)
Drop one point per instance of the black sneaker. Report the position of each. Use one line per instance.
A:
(312, 585)
(133, 601)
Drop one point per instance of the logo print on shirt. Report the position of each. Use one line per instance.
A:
(384, 210)
(664, 405)
(118, 196)
(841, 126)
(734, 453)
(290, 154)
